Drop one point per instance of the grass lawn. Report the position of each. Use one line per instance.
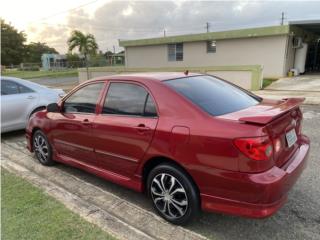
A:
(39, 74)
(28, 213)
(267, 81)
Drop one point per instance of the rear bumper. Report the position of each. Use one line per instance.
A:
(269, 187)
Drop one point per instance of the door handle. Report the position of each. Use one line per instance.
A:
(30, 97)
(142, 128)
(86, 122)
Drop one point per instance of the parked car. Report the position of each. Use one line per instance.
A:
(191, 141)
(20, 99)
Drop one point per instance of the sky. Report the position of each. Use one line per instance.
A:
(110, 20)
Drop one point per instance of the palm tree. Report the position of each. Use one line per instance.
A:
(86, 44)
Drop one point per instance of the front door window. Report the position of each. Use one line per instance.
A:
(84, 100)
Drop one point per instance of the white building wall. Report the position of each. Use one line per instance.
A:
(266, 51)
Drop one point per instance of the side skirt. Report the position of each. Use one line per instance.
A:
(133, 184)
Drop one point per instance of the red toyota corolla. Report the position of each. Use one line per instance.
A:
(191, 141)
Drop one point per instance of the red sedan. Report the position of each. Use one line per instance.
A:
(191, 141)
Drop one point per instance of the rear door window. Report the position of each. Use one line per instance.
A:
(128, 99)
(24, 89)
(150, 108)
(213, 95)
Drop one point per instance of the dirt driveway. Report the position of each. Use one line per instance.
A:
(298, 219)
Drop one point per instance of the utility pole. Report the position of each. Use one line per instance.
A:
(282, 18)
(107, 56)
(207, 26)
(113, 57)
(164, 32)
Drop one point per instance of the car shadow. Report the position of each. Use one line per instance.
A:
(13, 134)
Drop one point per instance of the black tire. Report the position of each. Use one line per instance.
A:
(42, 148)
(170, 199)
(36, 110)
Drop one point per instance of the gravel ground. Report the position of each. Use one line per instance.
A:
(298, 219)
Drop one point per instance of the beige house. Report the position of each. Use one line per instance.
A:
(277, 49)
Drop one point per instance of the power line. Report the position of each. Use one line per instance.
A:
(126, 29)
(65, 11)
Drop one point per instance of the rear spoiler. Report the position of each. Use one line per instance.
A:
(265, 117)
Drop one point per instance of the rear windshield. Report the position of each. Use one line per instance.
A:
(215, 96)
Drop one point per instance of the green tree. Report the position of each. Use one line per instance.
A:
(34, 51)
(74, 60)
(85, 43)
(98, 60)
(12, 47)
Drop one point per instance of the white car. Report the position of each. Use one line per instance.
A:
(20, 99)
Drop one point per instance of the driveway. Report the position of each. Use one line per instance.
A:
(298, 219)
(307, 86)
(309, 83)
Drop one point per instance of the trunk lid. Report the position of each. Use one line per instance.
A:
(278, 118)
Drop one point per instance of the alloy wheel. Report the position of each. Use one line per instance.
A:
(41, 148)
(169, 196)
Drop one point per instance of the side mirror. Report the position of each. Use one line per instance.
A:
(53, 107)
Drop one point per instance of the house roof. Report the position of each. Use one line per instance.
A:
(240, 33)
(309, 25)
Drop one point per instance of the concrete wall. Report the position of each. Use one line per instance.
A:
(248, 77)
(290, 53)
(268, 52)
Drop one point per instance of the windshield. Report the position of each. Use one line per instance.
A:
(215, 96)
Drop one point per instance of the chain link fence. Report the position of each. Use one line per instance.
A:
(64, 64)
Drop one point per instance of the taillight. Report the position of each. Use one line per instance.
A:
(256, 148)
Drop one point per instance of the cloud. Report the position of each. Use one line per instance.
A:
(143, 19)
(240, 6)
(128, 11)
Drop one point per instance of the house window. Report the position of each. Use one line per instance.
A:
(211, 46)
(175, 52)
